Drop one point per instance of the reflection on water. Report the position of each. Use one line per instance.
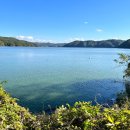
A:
(53, 76)
(39, 99)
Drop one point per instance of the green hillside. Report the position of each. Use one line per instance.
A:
(112, 43)
(95, 44)
(9, 41)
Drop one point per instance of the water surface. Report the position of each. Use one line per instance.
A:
(53, 76)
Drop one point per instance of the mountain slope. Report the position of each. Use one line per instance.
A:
(125, 44)
(9, 41)
(112, 43)
(98, 44)
(50, 44)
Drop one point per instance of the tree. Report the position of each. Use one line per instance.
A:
(124, 60)
(124, 97)
(1, 43)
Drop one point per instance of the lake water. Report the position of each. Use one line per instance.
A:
(40, 77)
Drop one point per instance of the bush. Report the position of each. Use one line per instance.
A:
(13, 116)
(84, 116)
(81, 116)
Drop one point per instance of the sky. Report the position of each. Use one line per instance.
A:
(65, 20)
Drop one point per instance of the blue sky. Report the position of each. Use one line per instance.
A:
(65, 20)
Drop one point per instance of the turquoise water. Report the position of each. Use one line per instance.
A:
(53, 76)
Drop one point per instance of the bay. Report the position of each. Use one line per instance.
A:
(43, 77)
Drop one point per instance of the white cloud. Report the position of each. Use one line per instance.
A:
(85, 22)
(99, 30)
(32, 39)
(26, 38)
(117, 38)
(74, 39)
(78, 39)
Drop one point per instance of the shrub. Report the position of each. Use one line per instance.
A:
(81, 116)
(13, 116)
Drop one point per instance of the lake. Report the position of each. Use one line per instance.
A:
(44, 77)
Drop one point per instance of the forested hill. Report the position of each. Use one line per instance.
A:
(125, 44)
(9, 41)
(112, 43)
(96, 44)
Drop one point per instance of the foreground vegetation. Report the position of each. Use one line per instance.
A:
(13, 116)
(81, 116)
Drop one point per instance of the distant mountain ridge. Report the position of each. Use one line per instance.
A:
(96, 44)
(111, 43)
(125, 44)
